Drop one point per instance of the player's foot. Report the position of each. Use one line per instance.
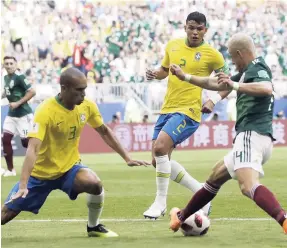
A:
(285, 226)
(100, 231)
(155, 211)
(8, 173)
(2, 171)
(174, 223)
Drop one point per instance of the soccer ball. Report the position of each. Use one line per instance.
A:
(196, 224)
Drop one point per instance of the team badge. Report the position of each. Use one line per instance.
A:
(197, 56)
(11, 84)
(82, 117)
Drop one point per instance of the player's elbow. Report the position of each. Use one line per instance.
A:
(269, 91)
(32, 92)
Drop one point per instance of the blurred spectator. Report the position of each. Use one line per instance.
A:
(145, 118)
(280, 115)
(116, 118)
(119, 41)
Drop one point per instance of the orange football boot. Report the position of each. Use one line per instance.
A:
(174, 223)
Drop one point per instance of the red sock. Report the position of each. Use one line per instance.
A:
(265, 199)
(199, 200)
(8, 150)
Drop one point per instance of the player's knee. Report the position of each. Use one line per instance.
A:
(25, 142)
(245, 190)
(96, 187)
(219, 175)
(6, 139)
(160, 148)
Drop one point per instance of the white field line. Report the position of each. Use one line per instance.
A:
(138, 220)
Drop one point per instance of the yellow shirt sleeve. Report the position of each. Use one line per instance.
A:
(95, 119)
(165, 61)
(40, 124)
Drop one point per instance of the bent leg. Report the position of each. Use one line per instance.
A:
(37, 195)
(81, 179)
(248, 180)
(217, 178)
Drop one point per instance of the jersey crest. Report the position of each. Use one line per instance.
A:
(197, 56)
(82, 117)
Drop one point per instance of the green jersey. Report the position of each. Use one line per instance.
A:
(254, 113)
(15, 87)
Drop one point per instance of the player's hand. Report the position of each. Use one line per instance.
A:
(207, 107)
(225, 80)
(14, 105)
(151, 74)
(133, 163)
(22, 193)
(177, 71)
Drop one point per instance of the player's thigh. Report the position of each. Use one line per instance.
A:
(162, 143)
(161, 121)
(38, 191)
(9, 125)
(180, 127)
(80, 179)
(23, 125)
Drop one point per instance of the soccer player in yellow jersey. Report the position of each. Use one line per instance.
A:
(53, 161)
(181, 110)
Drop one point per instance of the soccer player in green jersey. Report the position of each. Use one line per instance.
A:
(18, 92)
(254, 138)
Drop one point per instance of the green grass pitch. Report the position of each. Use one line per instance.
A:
(129, 191)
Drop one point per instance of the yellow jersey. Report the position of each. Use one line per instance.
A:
(59, 129)
(183, 97)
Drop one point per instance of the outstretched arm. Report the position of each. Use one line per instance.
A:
(159, 74)
(262, 88)
(209, 83)
(112, 141)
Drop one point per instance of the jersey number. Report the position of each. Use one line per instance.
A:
(72, 134)
(183, 62)
(270, 105)
(7, 91)
(239, 155)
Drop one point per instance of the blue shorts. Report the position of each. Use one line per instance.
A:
(40, 189)
(178, 126)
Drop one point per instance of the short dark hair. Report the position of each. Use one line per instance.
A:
(197, 17)
(10, 57)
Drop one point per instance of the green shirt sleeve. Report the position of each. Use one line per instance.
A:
(258, 73)
(23, 82)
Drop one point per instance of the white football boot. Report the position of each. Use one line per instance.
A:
(155, 211)
(2, 171)
(8, 173)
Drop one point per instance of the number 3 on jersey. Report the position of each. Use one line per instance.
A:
(72, 133)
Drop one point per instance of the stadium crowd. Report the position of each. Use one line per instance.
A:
(115, 42)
